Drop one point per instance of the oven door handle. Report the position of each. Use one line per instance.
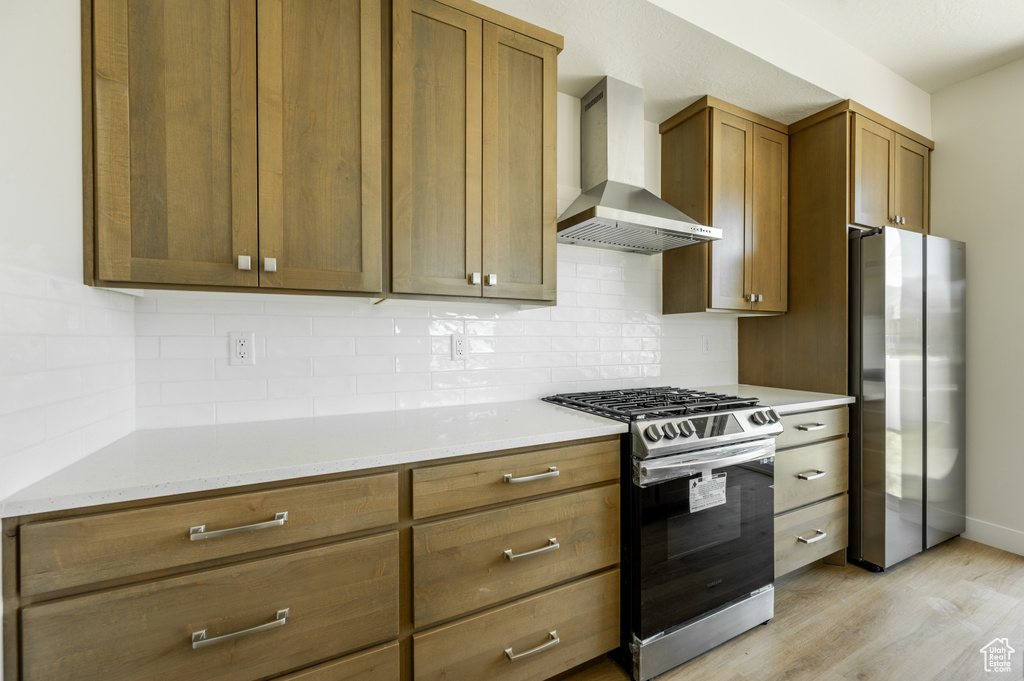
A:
(647, 473)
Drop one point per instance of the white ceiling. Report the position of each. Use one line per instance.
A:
(674, 61)
(931, 43)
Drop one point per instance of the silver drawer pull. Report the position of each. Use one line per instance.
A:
(818, 473)
(552, 546)
(199, 639)
(200, 532)
(512, 657)
(810, 426)
(552, 473)
(821, 535)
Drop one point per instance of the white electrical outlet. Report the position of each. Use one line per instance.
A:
(705, 345)
(242, 348)
(460, 346)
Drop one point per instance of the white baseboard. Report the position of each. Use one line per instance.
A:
(995, 535)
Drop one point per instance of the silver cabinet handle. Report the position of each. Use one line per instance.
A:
(244, 262)
(818, 473)
(821, 535)
(552, 546)
(492, 279)
(552, 473)
(269, 264)
(810, 426)
(200, 532)
(512, 657)
(199, 639)
(760, 297)
(474, 278)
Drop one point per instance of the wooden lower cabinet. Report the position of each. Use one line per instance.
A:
(475, 561)
(811, 484)
(566, 627)
(70, 552)
(351, 587)
(805, 535)
(338, 598)
(376, 664)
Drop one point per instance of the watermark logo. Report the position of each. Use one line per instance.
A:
(997, 655)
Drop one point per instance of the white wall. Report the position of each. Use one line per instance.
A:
(977, 174)
(780, 35)
(41, 137)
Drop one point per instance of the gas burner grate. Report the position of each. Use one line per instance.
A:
(635, 404)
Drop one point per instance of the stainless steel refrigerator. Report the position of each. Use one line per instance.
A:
(907, 371)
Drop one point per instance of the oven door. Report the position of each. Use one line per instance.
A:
(703, 532)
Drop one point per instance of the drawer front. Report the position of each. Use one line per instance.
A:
(376, 664)
(828, 516)
(812, 426)
(460, 565)
(825, 469)
(60, 554)
(583, 615)
(461, 486)
(340, 598)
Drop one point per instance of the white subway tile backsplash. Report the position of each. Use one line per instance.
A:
(354, 326)
(173, 324)
(173, 347)
(305, 386)
(359, 364)
(310, 347)
(196, 392)
(411, 345)
(263, 325)
(353, 404)
(67, 374)
(169, 370)
(392, 383)
(173, 416)
(263, 410)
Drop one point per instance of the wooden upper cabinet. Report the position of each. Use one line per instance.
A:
(175, 140)
(473, 158)
(519, 95)
(769, 233)
(320, 144)
(873, 183)
(912, 191)
(890, 179)
(729, 169)
(436, 157)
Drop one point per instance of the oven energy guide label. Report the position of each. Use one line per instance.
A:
(707, 492)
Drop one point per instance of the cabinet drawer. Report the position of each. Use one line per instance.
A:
(377, 664)
(462, 486)
(828, 516)
(339, 598)
(59, 554)
(825, 466)
(811, 426)
(461, 565)
(583, 615)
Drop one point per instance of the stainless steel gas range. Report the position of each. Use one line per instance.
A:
(697, 523)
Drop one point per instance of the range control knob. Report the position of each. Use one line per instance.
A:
(773, 416)
(759, 418)
(652, 432)
(685, 428)
(670, 430)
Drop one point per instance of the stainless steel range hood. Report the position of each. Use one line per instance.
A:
(615, 211)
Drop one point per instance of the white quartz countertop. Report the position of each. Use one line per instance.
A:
(157, 463)
(781, 400)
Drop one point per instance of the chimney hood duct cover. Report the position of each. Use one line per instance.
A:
(615, 211)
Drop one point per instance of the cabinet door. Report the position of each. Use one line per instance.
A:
(519, 91)
(175, 140)
(913, 179)
(320, 144)
(769, 261)
(731, 210)
(436, 169)
(873, 184)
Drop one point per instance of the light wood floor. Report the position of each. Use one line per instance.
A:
(926, 618)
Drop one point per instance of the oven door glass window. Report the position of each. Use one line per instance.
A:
(692, 562)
